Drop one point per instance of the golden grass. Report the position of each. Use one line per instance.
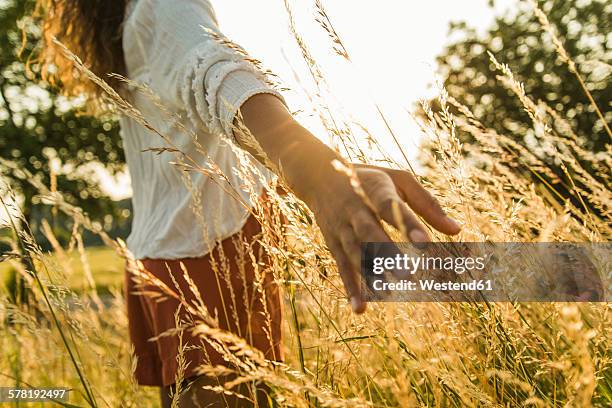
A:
(396, 354)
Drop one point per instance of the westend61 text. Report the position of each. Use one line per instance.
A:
(433, 285)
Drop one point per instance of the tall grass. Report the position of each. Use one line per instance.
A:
(396, 354)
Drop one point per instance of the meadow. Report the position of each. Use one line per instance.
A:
(106, 267)
(394, 355)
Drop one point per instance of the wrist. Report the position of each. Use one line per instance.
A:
(302, 159)
(307, 166)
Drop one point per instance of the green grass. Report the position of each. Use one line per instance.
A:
(106, 267)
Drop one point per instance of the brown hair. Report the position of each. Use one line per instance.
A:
(92, 30)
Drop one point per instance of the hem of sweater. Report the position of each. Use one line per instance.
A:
(196, 253)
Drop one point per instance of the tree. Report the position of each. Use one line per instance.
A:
(46, 133)
(519, 40)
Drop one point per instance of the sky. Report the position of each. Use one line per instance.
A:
(392, 43)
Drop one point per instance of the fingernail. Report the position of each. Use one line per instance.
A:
(453, 222)
(418, 236)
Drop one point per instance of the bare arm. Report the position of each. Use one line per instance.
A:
(344, 218)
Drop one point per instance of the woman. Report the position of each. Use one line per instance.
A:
(165, 45)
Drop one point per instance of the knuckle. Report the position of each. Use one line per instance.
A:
(365, 226)
(387, 204)
(431, 200)
(393, 208)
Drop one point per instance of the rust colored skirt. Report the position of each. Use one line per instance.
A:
(259, 323)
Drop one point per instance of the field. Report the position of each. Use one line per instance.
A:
(72, 331)
(106, 266)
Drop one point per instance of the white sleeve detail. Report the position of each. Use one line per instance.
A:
(193, 70)
(227, 85)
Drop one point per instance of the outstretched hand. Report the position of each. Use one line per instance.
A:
(346, 219)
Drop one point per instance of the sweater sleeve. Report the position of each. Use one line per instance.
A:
(191, 68)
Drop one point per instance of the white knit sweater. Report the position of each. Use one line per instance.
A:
(167, 47)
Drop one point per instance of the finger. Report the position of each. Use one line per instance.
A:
(383, 195)
(588, 282)
(397, 213)
(352, 249)
(589, 296)
(349, 279)
(367, 227)
(423, 203)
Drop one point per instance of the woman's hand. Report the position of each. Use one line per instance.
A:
(346, 219)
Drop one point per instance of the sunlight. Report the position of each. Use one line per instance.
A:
(393, 47)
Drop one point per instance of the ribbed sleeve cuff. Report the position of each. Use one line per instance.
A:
(235, 89)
